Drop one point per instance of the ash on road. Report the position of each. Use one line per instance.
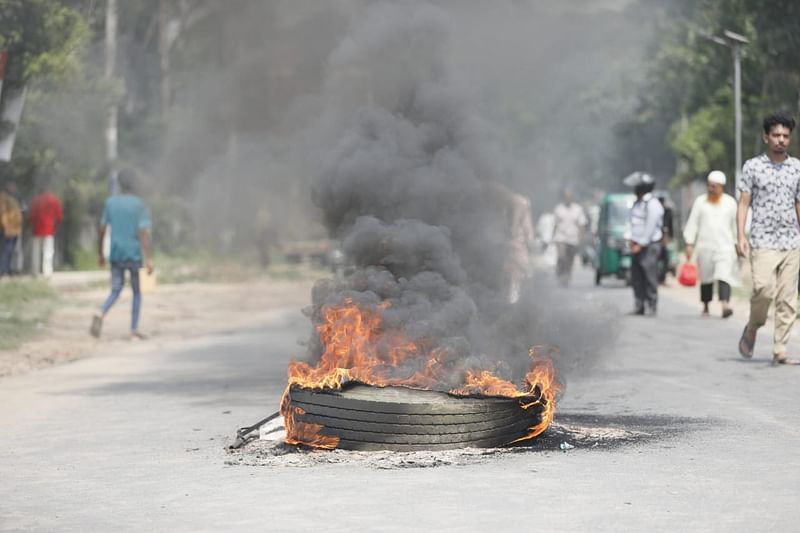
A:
(573, 432)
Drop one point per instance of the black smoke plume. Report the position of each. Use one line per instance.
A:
(410, 180)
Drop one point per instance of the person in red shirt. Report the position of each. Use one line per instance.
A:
(45, 215)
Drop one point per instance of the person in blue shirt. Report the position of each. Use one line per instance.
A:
(129, 220)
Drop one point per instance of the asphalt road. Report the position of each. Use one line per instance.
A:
(133, 441)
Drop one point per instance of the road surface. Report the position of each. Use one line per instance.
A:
(133, 441)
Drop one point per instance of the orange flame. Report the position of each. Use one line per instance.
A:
(541, 388)
(300, 432)
(357, 348)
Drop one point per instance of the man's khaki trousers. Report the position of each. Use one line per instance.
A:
(775, 274)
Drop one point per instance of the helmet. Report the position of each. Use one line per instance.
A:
(638, 179)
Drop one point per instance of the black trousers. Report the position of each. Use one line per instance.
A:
(707, 291)
(644, 277)
(566, 258)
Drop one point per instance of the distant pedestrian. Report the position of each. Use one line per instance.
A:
(644, 234)
(570, 225)
(45, 215)
(710, 236)
(770, 187)
(127, 217)
(10, 227)
(520, 245)
(17, 259)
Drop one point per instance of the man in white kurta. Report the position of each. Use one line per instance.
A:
(710, 236)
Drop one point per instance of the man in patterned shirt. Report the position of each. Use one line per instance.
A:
(770, 186)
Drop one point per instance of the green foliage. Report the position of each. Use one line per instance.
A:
(83, 259)
(703, 140)
(60, 139)
(82, 199)
(685, 109)
(44, 39)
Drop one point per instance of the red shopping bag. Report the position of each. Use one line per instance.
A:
(687, 275)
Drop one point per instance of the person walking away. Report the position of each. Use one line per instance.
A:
(10, 228)
(128, 218)
(570, 222)
(770, 188)
(520, 245)
(45, 215)
(644, 232)
(710, 236)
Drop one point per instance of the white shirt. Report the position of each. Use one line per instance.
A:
(645, 221)
(569, 221)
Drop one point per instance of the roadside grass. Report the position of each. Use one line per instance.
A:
(25, 306)
(206, 268)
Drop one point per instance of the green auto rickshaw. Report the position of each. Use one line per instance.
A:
(613, 255)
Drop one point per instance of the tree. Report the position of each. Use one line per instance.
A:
(47, 43)
(684, 119)
(43, 39)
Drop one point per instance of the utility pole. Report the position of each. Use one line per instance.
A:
(112, 116)
(734, 41)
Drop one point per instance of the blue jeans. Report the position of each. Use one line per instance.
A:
(7, 246)
(117, 281)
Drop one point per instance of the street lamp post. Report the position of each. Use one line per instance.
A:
(735, 41)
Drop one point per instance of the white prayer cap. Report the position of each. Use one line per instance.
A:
(717, 176)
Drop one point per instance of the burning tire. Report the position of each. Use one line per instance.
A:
(395, 418)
